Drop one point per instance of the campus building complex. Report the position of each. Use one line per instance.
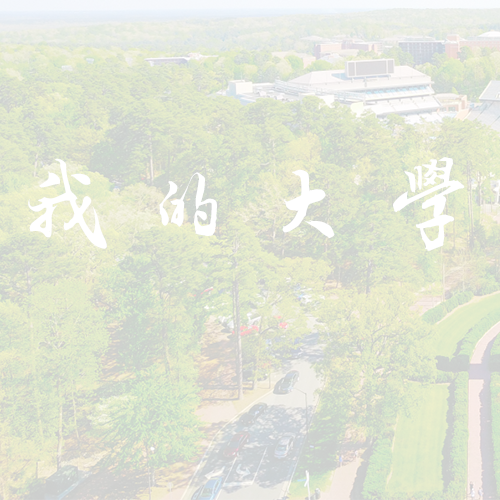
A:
(423, 49)
(376, 85)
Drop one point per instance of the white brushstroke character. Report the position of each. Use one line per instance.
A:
(301, 204)
(438, 201)
(178, 215)
(48, 204)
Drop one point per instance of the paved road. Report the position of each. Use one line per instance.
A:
(267, 477)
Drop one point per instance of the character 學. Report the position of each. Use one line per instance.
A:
(438, 201)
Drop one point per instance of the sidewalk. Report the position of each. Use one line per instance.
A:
(344, 477)
(480, 446)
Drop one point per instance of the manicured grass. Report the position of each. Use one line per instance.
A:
(418, 444)
(452, 329)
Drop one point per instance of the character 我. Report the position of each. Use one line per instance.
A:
(48, 204)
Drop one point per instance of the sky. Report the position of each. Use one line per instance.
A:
(194, 5)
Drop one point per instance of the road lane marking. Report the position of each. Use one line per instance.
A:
(232, 465)
(260, 463)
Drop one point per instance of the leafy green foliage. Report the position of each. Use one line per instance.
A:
(379, 467)
(153, 413)
(378, 341)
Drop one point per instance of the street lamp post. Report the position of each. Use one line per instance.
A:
(149, 474)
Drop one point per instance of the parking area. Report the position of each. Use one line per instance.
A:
(246, 468)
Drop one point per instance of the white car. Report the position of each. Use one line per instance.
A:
(284, 446)
(227, 321)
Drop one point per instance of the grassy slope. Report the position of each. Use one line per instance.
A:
(418, 444)
(453, 328)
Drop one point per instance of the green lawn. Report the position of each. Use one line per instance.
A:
(418, 444)
(451, 330)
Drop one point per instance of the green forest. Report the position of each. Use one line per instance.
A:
(258, 33)
(103, 352)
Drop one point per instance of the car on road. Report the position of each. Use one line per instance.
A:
(235, 445)
(284, 446)
(254, 413)
(210, 490)
(285, 385)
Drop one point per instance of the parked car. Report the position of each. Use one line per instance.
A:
(254, 413)
(284, 446)
(235, 445)
(251, 323)
(285, 385)
(210, 490)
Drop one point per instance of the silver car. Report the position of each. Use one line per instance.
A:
(284, 446)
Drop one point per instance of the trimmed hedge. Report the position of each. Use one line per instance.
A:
(379, 468)
(462, 359)
(495, 424)
(495, 356)
(433, 315)
(458, 435)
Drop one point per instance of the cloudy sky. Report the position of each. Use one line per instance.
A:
(303, 5)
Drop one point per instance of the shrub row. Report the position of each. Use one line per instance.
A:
(379, 468)
(419, 495)
(433, 315)
(495, 356)
(462, 359)
(495, 424)
(458, 435)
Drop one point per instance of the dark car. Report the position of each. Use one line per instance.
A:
(210, 490)
(235, 445)
(285, 385)
(254, 413)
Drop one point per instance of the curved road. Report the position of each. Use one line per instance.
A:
(267, 477)
(480, 447)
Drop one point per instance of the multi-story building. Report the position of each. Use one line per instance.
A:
(422, 49)
(490, 40)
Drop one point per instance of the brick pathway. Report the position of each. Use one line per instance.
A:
(480, 448)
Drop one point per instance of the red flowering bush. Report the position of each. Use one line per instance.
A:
(247, 330)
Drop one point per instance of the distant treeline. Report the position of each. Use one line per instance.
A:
(273, 33)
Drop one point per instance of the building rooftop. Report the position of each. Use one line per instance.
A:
(488, 114)
(491, 92)
(490, 34)
(336, 80)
